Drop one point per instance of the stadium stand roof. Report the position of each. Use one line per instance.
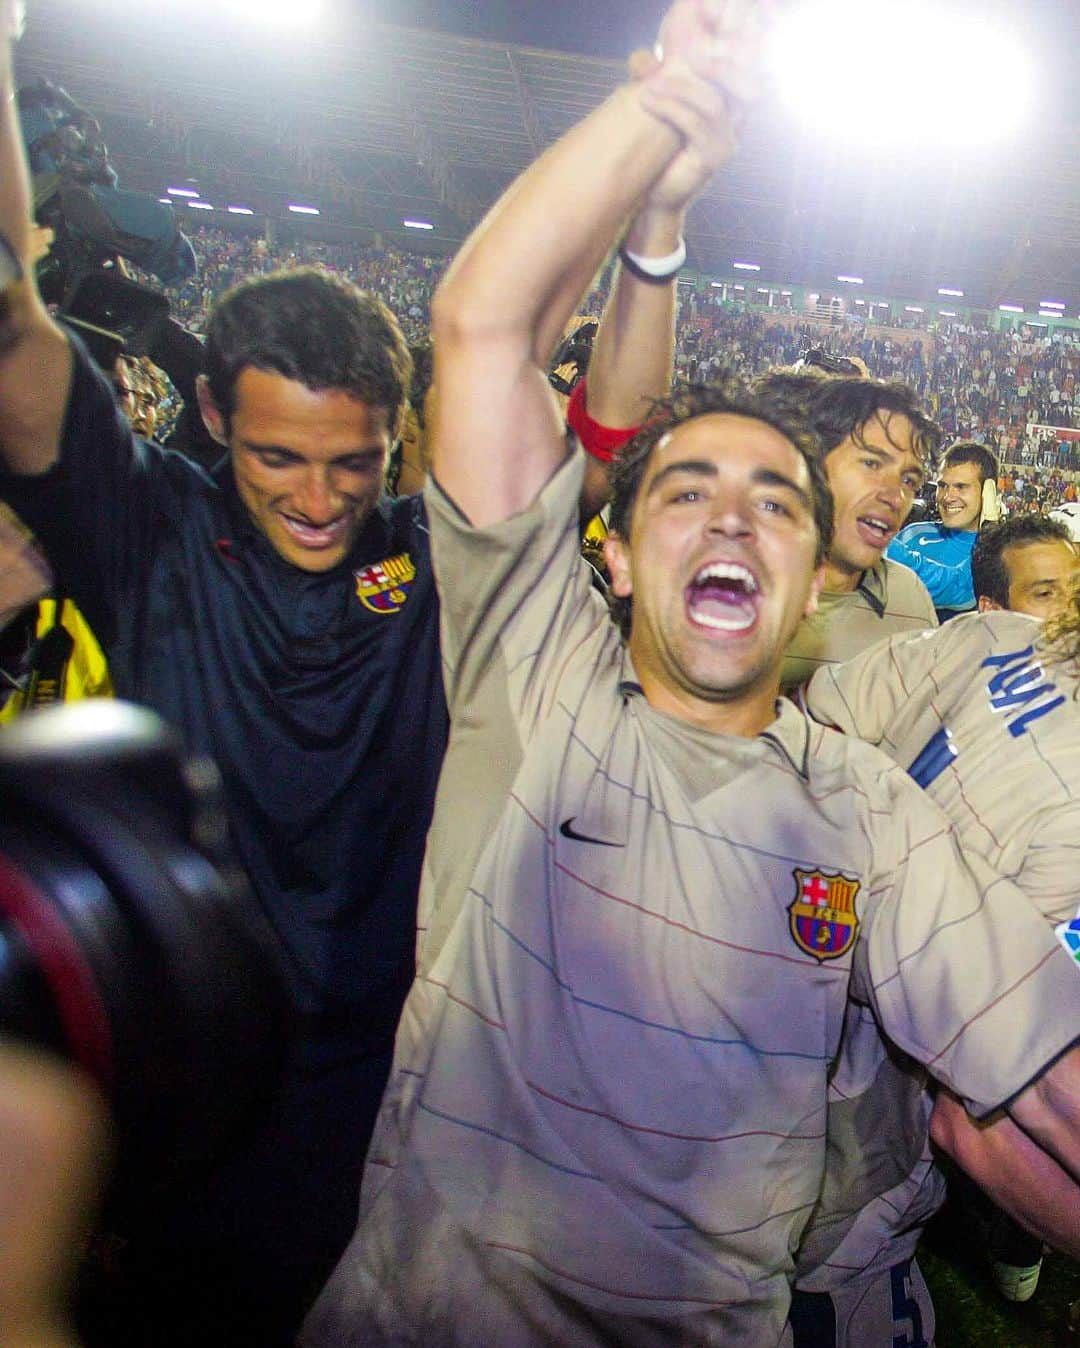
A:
(378, 124)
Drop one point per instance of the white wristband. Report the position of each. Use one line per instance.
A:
(662, 268)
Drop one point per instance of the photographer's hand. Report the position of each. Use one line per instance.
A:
(52, 1145)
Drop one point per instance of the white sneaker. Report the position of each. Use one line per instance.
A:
(1015, 1283)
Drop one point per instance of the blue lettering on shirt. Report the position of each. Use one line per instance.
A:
(1020, 690)
(934, 758)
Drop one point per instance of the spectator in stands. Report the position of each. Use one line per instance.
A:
(1028, 563)
(940, 553)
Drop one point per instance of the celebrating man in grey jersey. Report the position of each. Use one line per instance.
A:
(649, 887)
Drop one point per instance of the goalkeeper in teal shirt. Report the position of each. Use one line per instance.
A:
(940, 552)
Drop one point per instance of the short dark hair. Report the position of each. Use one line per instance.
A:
(989, 573)
(970, 451)
(313, 327)
(724, 396)
(839, 409)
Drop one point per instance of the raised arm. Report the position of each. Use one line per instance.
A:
(506, 299)
(35, 361)
(634, 351)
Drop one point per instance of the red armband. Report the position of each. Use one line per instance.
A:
(602, 442)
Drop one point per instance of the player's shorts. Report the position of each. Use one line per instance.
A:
(889, 1309)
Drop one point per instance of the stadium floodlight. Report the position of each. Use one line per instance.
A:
(1050, 313)
(947, 313)
(280, 13)
(862, 302)
(913, 309)
(305, 210)
(181, 192)
(166, 201)
(1011, 308)
(834, 61)
(240, 210)
(953, 294)
(200, 206)
(716, 285)
(1051, 304)
(852, 280)
(763, 290)
(418, 224)
(740, 287)
(746, 266)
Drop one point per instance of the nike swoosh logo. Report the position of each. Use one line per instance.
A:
(566, 828)
(925, 542)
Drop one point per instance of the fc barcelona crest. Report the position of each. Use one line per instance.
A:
(384, 586)
(823, 918)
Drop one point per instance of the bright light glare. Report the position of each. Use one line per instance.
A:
(418, 224)
(851, 280)
(1011, 308)
(945, 290)
(241, 210)
(200, 206)
(838, 65)
(181, 192)
(305, 210)
(746, 266)
(280, 13)
(1051, 304)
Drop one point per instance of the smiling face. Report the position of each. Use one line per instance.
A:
(875, 476)
(959, 495)
(721, 566)
(308, 464)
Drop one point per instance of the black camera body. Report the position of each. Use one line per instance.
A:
(128, 942)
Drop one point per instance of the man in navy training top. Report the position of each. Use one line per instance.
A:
(281, 614)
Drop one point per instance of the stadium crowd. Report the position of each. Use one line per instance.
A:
(644, 1004)
(979, 385)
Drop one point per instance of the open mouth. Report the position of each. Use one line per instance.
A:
(316, 536)
(874, 530)
(723, 596)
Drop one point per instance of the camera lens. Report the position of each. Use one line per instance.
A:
(128, 942)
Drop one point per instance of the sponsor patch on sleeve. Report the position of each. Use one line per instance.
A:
(1068, 933)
